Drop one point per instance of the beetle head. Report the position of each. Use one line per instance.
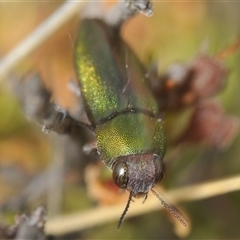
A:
(138, 173)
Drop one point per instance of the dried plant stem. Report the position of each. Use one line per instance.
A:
(97, 216)
(39, 35)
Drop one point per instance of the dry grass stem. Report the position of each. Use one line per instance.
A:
(101, 215)
(39, 35)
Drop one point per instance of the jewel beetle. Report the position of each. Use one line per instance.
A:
(121, 109)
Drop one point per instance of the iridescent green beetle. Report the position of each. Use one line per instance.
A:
(129, 133)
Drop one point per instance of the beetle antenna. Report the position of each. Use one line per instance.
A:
(125, 210)
(173, 211)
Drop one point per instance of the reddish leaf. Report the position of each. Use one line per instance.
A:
(210, 125)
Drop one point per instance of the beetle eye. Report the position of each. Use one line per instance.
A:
(120, 174)
(160, 168)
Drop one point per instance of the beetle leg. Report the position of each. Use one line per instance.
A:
(78, 112)
(90, 148)
(74, 88)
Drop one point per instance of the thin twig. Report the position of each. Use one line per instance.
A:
(101, 215)
(38, 36)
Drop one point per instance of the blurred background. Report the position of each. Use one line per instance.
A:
(177, 31)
